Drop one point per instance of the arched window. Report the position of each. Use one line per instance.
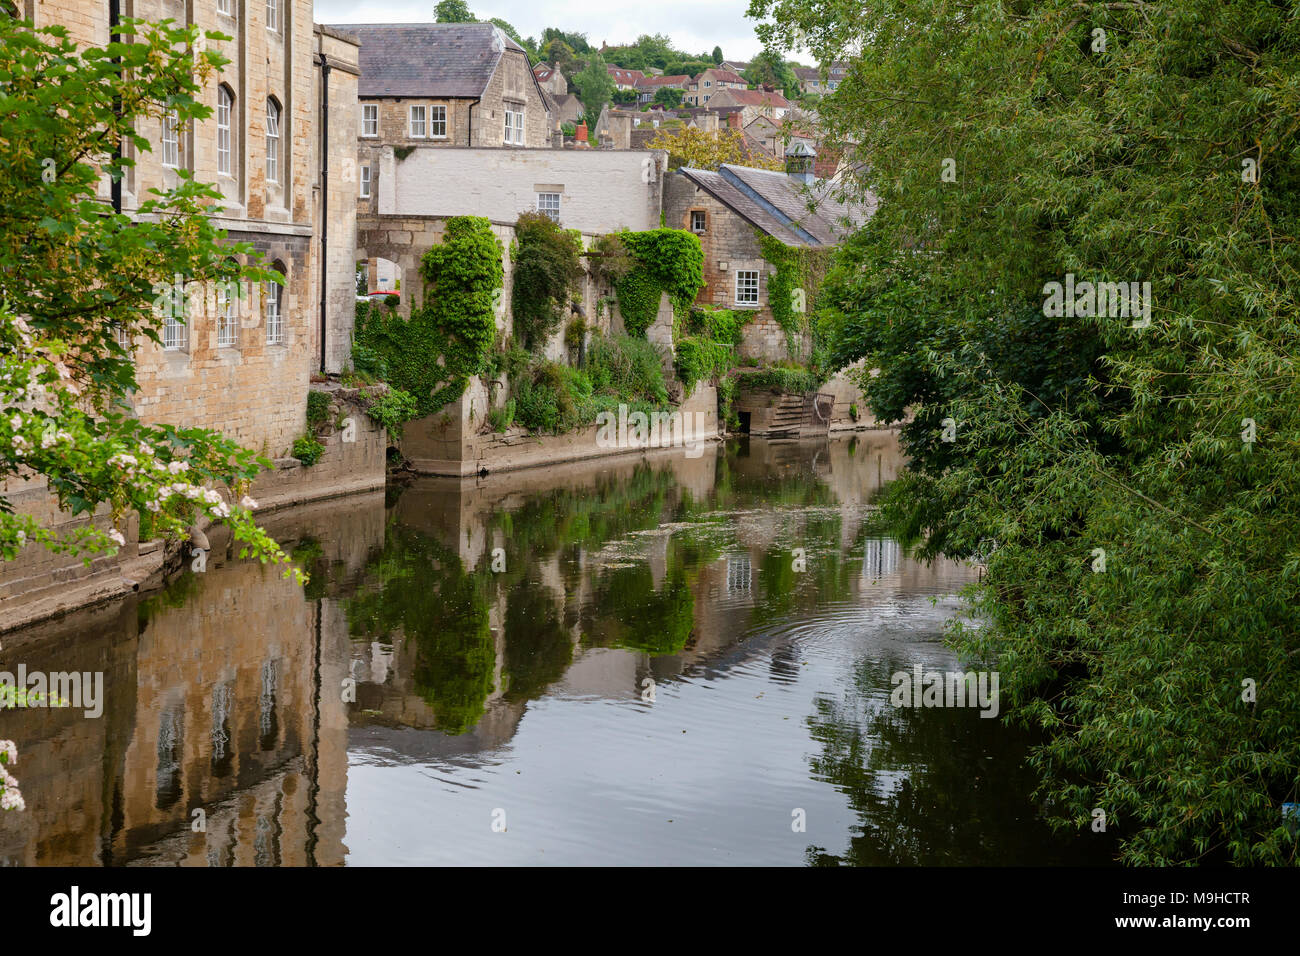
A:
(225, 139)
(274, 313)
(272, 141)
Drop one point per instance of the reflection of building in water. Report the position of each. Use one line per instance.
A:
(216, 705)
(881, 558)
(740, 573)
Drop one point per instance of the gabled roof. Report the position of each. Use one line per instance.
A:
(754, 98)
(655, 82)
(624, 76)
(723, 76)
(779, 205)
(453, 60)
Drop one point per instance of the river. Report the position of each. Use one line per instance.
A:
(640, 661)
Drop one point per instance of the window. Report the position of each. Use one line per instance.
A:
(707, 84)
(514, 132)
(174, 328)
(273, 15)
(549, 203)
(274, 317)
(226, 7)
(170, 139)
(740, 574)
(365, 182)
(370, 119)
(272, 142)
(697, 221)
(438, 122)
(417, 122)
(746, 288)
(224, 103)
(227, 312)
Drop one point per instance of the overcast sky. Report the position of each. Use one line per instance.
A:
(696, 26)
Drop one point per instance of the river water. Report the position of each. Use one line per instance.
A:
(656, 660)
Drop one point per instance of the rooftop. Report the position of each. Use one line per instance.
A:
(427, 59)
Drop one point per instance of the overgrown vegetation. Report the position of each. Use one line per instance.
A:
(547, 272)
(432, 355)
(662, 261)
(794, 291)
(1128, 479)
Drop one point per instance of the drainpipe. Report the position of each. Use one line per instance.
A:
(114, 18)
(324, 196)
(469, 139)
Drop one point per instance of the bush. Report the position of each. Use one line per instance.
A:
(548, 268)
(307, 450)
(623, 367)
(664, 260)
(393, 409)
(318, 410)
(794, 381)
(500, 419)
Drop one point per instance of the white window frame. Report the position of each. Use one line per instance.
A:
(437, 120)
(174, 330)
(369, 119)
(365, 182)
(225, 6)
(545, 205)
(704, 221)
(272, 142)
(273, 15)
(410, 122)
(225, 138)
(515, 122)
(171, 140)
(744, 293)
(274, 313)
(227, 316)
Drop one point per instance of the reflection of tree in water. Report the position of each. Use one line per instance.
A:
(538, 646)
(424, 593)
(827, 576)
(629, 612)
(931, 785)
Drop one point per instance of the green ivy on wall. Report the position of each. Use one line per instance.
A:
(792, 291)
(663, 260)
(707, 352)
(448, 337)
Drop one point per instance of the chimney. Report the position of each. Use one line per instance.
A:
(733, 120)
(799, 162)
(581, 133)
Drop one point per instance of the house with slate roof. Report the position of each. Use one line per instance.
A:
(443, 84)
(732, 208)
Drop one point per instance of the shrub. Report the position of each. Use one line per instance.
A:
(548, 268)
(307, 450)
(502, 418)
(318, 410)
(664, 261)
(392, 409)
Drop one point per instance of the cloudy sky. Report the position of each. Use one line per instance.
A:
(696, 26)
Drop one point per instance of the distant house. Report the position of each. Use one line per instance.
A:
(755, 103)
(701, 89)
(773, 136)
(731, 208)
(735, 66)
(550, 79)
(624, 79)
(810, 78)
(650, 85)
(442, 84)
(564, 108)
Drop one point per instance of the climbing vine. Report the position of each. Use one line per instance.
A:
(663, 260)
(707, 352)
(547, 272)
(448, 337)
(793, 289)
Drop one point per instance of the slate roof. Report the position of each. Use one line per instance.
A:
(655, 82)
(452, 60)
(778, 205)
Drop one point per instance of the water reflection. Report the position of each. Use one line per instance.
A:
(639, 661)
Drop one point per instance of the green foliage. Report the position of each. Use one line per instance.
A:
(1076, 434)
(448, 338)
(318, 409)
(669, 96)
(594, 86)
(707, 350)
(717, 56)
(622, 368)
(770, 68)
(625, 97)
(453, 11)
(663, 260)
(793, 290)
(500, 419)
(307, 450)
(393, 409)
(794, 381)
(548, 271)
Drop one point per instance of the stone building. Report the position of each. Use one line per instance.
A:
(550, 79)
(754, 103)
(442, 84)
(730, 210)
(701, 90)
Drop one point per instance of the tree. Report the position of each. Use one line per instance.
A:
(528, 45)
(684, 67)
(689, 146)
(1125, 470)
(594, 85)
(575, 41)
(770, 69)
(79, 283)
(453, 11)
(717, 55)
(560, 55)
(669, 97)
(625, 97)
